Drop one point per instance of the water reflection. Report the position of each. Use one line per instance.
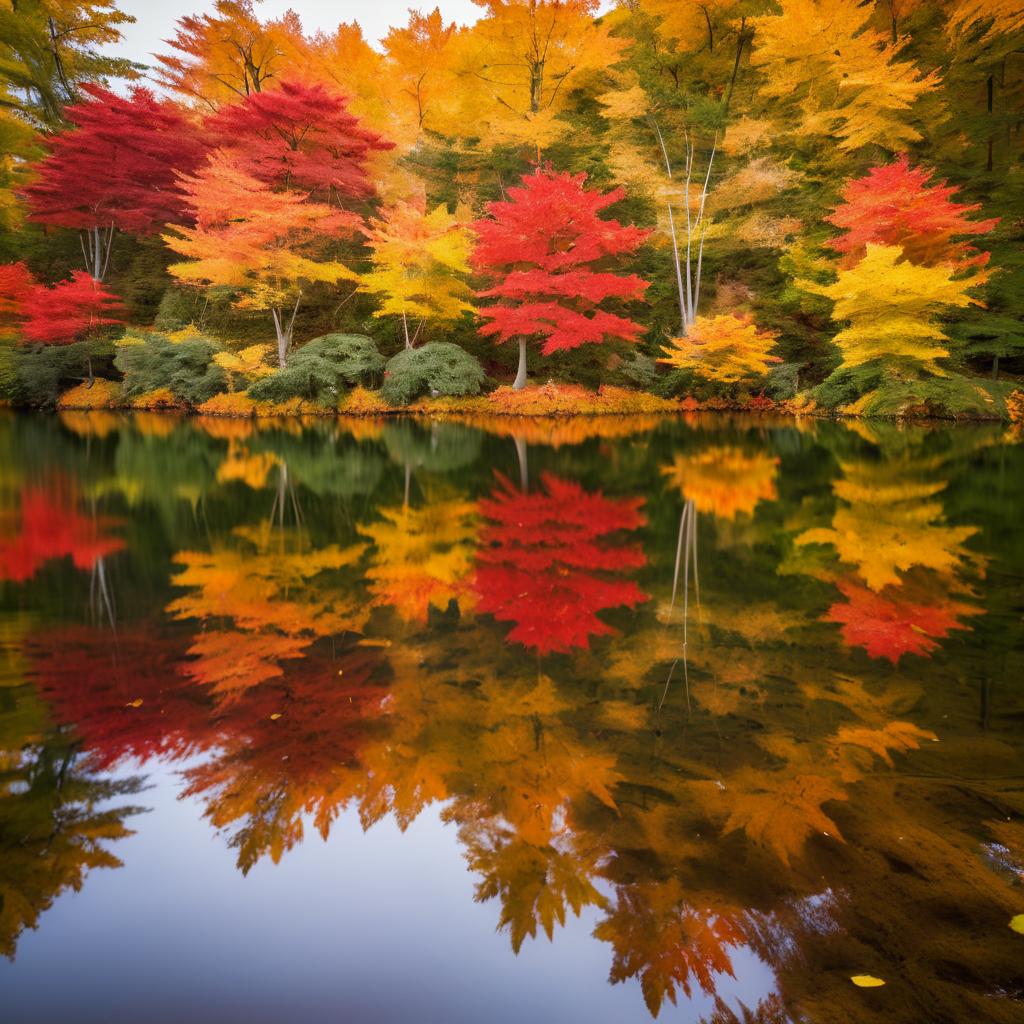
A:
(716, 683)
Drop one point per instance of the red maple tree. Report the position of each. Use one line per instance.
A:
(124, 695)
(545, 247)
(546, 565)
(16, 281)
(115, 169)
(889, 624)
(896, 204)
(48, 525)
(68, 311)
(300, 136)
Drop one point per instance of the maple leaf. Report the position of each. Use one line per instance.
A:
(889, 625)
(779, 811)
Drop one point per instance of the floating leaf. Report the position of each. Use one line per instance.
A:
(1017, 923)
(137, 703)
(866, 981)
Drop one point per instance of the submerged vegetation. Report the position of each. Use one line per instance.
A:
(808, 204)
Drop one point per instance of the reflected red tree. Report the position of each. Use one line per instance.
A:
(547, 564)
(47, 526)
(124, 692)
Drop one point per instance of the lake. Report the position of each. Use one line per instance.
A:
(590, 719)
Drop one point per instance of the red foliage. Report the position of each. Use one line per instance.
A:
(897, 204)
(542, 565)
(300, 136)
(48, 525)
(889, 626)
(540, 246)
(69, 310)
(16, 282)
(117, 165)
(122, 693)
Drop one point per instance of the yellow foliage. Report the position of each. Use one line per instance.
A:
(249, 364)
(515, 70)
(234, 403)
(420, 263)
(423, 557)
(891, 306)
(724, 348)
(362, 402)
(888, 524)
(160, 398)
(101, 394)
(846, 77)
(724, 481)
(240, 464)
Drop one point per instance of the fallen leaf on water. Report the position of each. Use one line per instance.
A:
(866, 981)
(137, 703)
(275, 716)
(1017, 923)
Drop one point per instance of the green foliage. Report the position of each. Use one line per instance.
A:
(952, 397)
(845, 385)
(322, 369)
(178, 308)
(37, 376)
(438, 368)
(185, 367)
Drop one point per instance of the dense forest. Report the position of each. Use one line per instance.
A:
(813, 205)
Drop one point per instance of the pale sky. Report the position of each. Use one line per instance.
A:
(155, 19)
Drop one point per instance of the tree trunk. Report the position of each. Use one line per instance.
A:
(524, 469)
(520, 382)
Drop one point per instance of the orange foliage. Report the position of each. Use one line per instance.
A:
(724, 481)
(100, 394)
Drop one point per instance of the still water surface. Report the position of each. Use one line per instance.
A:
(597, 720)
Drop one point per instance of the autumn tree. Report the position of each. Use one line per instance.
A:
(545, 248)
(50, 50)
(843, 77)
(899, 205)
(419, 60)
(69, 310)
(114, 169)
(263, 245)
(300, 138)
(728, 348)
(420, 261)
(548, 562)
(516, 68)
(16, 283)
(229, 53)
(890, 307)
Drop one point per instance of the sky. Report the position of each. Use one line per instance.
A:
(155, 19)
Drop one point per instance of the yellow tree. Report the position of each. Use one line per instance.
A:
(261, 244)
(890, 306)
(728, 348)
(423, 557)
(846, 78)
(418, 57)
(420, 263)
(229, 53)
(515, 69)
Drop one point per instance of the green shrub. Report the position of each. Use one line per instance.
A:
(845, 386)
(186, 367)
(438, 368)
(40, 375)
(952, 397)
(322, 369)
(178, 308)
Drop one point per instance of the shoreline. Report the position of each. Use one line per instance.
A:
(545, 401)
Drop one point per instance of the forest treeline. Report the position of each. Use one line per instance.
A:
(815, 202)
